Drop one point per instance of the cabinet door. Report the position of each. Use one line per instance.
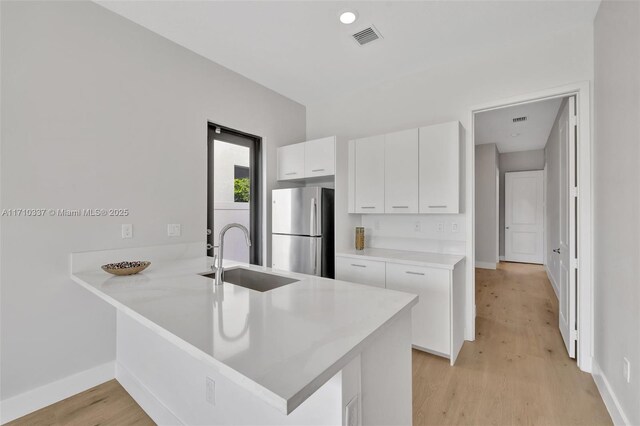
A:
(360, 271)
(430, 317)
(369, 175)
(401, 172)
(440, 168)
(319, 157)
(291, 162)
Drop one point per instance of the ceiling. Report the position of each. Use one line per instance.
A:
(302, 51)
(497, 126)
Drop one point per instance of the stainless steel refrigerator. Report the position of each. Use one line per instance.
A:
(302, 230)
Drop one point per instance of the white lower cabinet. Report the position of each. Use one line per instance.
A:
(431, 316)
(438, 318)
(361, 271)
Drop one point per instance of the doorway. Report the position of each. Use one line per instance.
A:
(565, 159)
(233, 192)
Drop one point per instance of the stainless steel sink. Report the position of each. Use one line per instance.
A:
(254, 280)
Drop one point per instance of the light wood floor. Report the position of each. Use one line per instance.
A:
(516, 372)
(106, 404)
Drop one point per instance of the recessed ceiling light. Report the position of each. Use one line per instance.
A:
(515, 135)
(348, 17)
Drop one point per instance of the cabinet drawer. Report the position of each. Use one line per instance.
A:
(360, 271)
(431, 316)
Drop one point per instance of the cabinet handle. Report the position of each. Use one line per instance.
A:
(317, 170)
(292, 173)
(414, 273)
(438, 207)
(359, 266)
(368, 207)
(399, 207)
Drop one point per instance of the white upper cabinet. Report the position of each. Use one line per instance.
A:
(401, 172)
(439, 166)
(319, 157)
(291, 162)
(309, 159)
(369, 175)
(411, 171)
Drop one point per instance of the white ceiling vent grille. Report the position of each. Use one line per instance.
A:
(519, 119)
(367, 35)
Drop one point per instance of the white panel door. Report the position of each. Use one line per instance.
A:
(524, 223)
(401, 172)
(291, 162)
(566, 251)
(440, 168)
(369, 175)
(319, 157)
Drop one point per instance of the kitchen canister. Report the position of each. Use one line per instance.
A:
(359, 238)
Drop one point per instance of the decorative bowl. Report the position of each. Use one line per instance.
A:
(126, 267)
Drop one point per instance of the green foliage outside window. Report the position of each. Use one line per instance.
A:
(241, 190)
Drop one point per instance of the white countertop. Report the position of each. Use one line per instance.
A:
(280, 345)
(433, 260)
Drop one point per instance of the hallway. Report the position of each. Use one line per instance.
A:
(517, 371)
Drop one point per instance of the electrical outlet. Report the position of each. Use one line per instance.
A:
(353, 412)
(626, 369)
(210, 391)
(127, 230)
(417, 226)
(173, 230)
(454, 227)
(440, 227)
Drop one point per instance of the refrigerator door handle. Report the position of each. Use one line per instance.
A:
(315, 261)
(314, 216)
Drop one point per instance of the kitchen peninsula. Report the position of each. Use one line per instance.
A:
(315, 351)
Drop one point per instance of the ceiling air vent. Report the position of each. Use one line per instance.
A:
(519, 119)
(367, 35)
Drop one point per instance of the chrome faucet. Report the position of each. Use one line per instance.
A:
(220, 271)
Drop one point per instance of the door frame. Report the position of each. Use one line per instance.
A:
(581, 90)
(256, 251)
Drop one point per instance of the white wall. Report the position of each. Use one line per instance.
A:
(552, 201)
(516, 162)
(616, 171)
(443, 93)
(486, 170)
(100, 112)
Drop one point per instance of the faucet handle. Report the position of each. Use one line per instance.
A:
(214, 266)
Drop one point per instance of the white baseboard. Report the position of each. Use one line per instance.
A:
(554, 284)
(145, 398)
(618, 416)
(35, 399)
(501, 258)
(485, 265)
